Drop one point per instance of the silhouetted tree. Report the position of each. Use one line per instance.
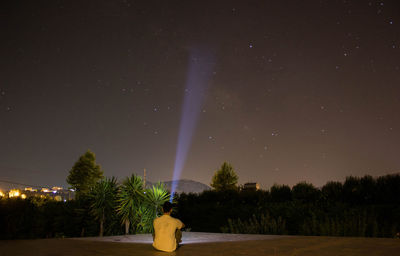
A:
(225, 178)
(280, 193)
(333, 191)
(352, 190)
(84, 174)
(367, 189)
(305, 192)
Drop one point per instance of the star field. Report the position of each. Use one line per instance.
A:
(299, 91)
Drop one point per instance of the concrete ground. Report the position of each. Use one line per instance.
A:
(201, 244)
(187, 238)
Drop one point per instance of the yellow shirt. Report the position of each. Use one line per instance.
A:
(164, 230)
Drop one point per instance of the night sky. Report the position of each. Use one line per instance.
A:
(295, 90)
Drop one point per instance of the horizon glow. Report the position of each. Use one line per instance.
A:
(199, 72)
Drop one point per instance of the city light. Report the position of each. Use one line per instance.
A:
(13, 193)
(30, 189)
(56, 193)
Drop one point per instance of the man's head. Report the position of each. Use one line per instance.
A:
(167, 207)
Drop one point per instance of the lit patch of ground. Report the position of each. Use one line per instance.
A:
(187, 238)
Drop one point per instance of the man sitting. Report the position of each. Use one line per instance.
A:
(167, 233)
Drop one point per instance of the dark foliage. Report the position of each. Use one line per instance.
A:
(38, 218)
(364, 206)
(358, 207)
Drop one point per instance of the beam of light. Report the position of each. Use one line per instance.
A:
(199, 73)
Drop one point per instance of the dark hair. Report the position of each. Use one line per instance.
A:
(167, 206)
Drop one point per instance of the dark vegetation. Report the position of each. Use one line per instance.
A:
(364, 206)
(358, 207)
(101, 207)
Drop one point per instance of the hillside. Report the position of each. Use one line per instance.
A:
(186, 186)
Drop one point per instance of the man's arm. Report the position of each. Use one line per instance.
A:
(154, 230)
(181, 224)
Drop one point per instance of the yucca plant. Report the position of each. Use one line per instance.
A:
(138, 207)
(103, 200)
(143, 220)
(130, 199)
(155, 197)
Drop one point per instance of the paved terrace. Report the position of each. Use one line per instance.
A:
(202, 244)
(187, 238)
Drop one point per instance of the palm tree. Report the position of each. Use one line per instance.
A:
(103, 199)
(137, 206)
(155, 197)
(130, 198)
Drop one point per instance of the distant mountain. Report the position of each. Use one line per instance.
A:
(185, 186)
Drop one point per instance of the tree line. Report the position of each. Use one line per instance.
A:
(359, 206)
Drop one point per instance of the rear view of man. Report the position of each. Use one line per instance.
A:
(167, 233)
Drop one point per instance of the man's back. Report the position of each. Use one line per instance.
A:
(164, 230)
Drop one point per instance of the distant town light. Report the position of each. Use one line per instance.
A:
(2, 194)
(46, 190)
(30, 189)
(13, 193)
(23, 196)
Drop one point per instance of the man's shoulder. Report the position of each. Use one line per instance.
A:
(166, 218)
(177, 220)
(158, 218)
(162, 218)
